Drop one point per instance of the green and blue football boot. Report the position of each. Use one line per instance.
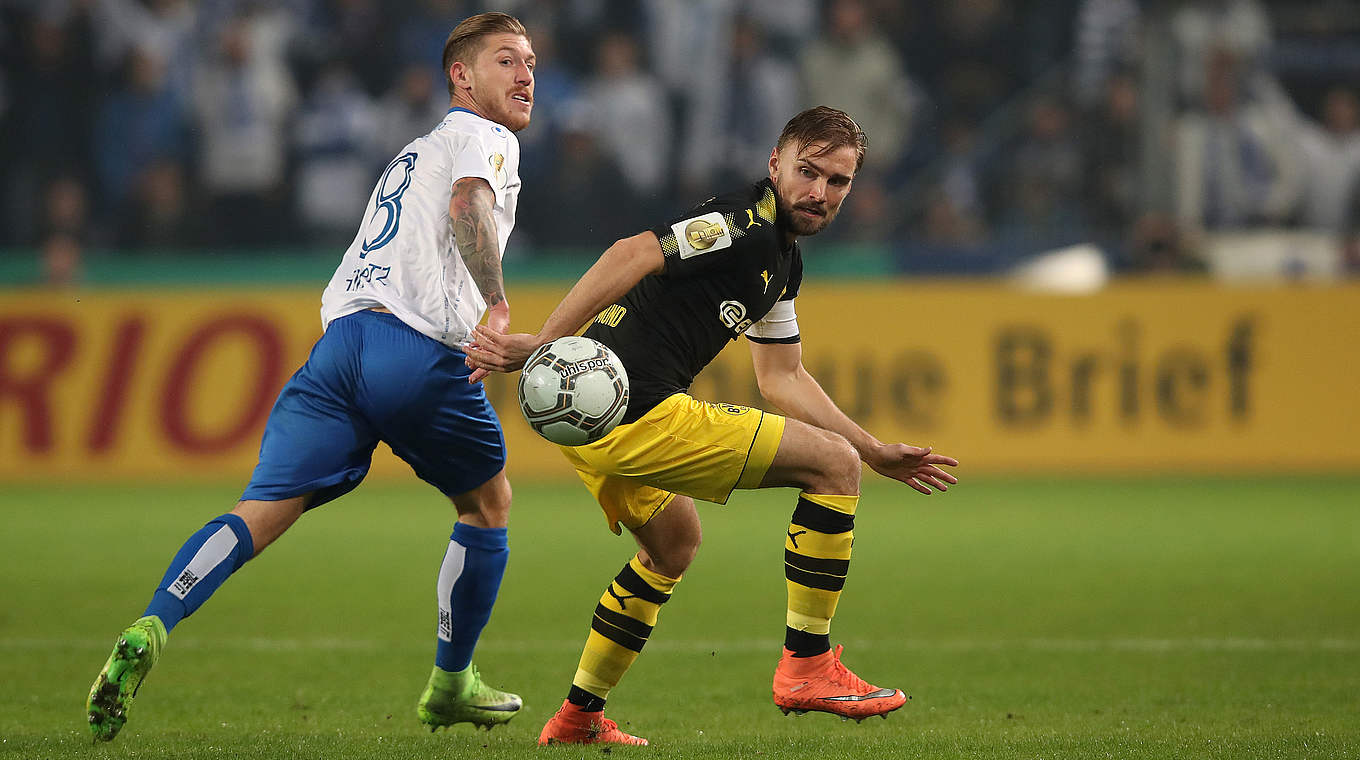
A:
(137, 649)
(462, 697)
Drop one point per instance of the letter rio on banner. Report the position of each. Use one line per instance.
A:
(109, 386)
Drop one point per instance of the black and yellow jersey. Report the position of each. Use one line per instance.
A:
(726, 266)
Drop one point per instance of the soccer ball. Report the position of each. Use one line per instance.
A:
(573, 390)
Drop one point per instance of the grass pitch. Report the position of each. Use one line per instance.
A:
(1191, 618)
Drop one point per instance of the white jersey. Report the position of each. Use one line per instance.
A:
(404, 257)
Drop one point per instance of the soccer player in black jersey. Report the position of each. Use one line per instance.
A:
(667, 301)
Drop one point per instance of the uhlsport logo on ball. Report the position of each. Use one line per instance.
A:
(573, 390)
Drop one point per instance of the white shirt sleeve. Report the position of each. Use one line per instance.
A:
(473, 158)
(780, 325)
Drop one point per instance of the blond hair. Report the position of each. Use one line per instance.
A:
(464, 41)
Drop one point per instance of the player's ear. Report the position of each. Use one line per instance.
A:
(461, 74)
(774, 162)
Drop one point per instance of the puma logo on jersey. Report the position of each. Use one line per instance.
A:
(751, 219)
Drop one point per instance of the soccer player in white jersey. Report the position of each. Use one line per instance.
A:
(423, 270)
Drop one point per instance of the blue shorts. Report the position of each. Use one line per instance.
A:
(372, 378)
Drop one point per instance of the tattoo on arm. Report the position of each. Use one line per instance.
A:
(475, 229)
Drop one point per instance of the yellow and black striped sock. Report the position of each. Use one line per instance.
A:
(816, 560)
(622, 624)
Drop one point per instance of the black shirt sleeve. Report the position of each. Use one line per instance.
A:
(709, 238)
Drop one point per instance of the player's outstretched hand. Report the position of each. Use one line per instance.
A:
(491, 350)
(498, 319)
(917, 467)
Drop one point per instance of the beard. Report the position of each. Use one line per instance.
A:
(803, 225)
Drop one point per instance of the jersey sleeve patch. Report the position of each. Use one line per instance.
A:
(497, 162)
(702, 234)
(473, 158)
(780, 325)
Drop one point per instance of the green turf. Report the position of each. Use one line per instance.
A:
(1192, 618)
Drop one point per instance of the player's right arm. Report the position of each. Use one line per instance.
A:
(615, 273)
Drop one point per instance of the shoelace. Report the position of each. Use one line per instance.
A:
(842, 675)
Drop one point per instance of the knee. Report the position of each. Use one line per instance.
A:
(685, 554)
(488, 506)
(496, 509)
(840, 468)
(675, 558)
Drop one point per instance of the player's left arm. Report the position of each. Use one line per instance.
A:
(471, 208)
(786, 383)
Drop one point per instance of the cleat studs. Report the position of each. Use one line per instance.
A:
(884, 716)
(859, 720)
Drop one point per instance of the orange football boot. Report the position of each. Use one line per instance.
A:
(823, 684)
(572, 725)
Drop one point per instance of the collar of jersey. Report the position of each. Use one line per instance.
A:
(464, 110)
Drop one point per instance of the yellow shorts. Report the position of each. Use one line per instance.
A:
(696, 448)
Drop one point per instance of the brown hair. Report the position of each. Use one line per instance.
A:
(824, 124)
(465, 40)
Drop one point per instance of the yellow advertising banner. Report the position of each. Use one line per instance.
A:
(1165, 376)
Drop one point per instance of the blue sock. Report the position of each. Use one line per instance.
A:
(216, 551)
(468, 581)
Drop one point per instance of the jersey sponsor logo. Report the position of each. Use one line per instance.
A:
(733, 315)
(612, 316)
(702, 234)
(497, 161)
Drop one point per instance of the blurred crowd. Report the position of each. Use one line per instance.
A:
(996, 129)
